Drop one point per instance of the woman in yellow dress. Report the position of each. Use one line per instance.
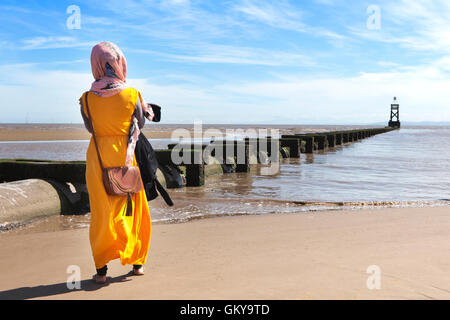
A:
(117, 113)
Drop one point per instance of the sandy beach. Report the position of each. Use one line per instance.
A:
(321, 255)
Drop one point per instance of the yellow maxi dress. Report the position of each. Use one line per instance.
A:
(112, 234)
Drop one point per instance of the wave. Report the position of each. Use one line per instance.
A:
(187, 210)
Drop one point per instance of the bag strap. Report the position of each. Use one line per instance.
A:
(163, 193)
(93, 132)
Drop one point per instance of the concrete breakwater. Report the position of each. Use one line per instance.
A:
(35, 188)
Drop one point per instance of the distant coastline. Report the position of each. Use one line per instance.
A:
(421, 124)
(378, 123)
(77, 131)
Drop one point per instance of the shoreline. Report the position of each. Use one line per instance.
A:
(318, 255)
(64, 222)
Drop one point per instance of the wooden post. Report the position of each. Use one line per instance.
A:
(265, 143)
(320, 141)
(331, 140)
(345, 137)
(338, 138)
(195, 170)
(294, 146)
(242, 155)
(309, 142)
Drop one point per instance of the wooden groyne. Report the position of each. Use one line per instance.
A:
(64, 181)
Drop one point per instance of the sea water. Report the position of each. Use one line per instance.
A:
(406, 167)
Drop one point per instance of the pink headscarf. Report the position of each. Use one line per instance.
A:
(109, 68)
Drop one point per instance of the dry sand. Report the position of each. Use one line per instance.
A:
(322, 255)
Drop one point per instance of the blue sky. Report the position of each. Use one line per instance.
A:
(241, 61)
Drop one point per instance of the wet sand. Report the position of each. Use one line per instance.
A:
(47, 132)
(320, 255)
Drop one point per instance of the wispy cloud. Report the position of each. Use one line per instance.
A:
(173, 20)
(97, 21)
(227, 54)
(16, 9)
(54, 42)
(282, 15)
(276, 14)
(412, 24)
(326, 2)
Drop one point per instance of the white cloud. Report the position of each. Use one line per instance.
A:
(52, 96)
(46, 95)
(423, 93)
